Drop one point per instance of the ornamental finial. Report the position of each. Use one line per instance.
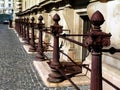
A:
(97, 19)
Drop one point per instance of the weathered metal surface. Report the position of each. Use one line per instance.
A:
(32, 42)
(55, 75)
(27, 32)
(21, 27)
(95, 41)
(24, 30)
(40, 54)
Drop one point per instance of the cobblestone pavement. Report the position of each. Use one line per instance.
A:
(16, 69)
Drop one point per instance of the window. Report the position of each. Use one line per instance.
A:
(86, 28)
(2, 5)
(9, 5)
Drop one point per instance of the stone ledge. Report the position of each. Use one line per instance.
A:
(43, 70)
(26, 47)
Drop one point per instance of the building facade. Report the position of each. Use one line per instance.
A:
(17, 6)
(75, 16)
(6, 6)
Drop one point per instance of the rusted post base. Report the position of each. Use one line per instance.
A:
(40, 56)
(24, 39)
(32, 49)
(55, 76)
(27, 42)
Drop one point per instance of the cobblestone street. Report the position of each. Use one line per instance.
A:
(16, 69)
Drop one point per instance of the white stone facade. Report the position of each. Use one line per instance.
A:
(6, 6)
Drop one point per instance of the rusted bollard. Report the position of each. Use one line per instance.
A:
(27, 32)
(23, 20)
(24, 29)
(32, 42)
(21, 27)
(95, 41)
(18, 26)
(55, 75)
(40, 51)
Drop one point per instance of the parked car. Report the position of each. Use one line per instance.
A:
(6, 22)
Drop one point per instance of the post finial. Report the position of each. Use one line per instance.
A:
(40, 18)
(32, 19)
(56, 18)
(97, 19)
(56, 28)
(40, 24)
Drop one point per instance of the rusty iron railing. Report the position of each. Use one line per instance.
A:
(94, 41)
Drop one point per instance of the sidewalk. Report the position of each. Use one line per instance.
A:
(16, 68)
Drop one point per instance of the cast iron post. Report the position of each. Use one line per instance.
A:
(55, 75)
(18, 26)
(22, 27)
(23, 21)
(95, 41)
(24, 30)
(27, 32)
(19, 21)
(32, 42)
(40, 54)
